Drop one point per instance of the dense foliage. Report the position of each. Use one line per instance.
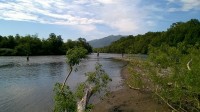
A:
(175, 74)
(75, 55)
(186, 32)
(32, 45)
(98, 79)
(64, 99)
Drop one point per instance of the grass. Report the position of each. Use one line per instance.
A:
(138, 78)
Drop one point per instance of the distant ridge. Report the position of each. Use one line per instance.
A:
(98, 43)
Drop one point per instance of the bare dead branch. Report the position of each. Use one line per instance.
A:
(188, 64)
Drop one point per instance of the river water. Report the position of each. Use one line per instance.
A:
(28, 86)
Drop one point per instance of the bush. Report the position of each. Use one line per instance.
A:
(180, 86)
(64, 99)
(7, 52)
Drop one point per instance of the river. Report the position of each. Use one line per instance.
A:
(28, 86)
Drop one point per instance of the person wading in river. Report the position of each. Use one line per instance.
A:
(27, 58)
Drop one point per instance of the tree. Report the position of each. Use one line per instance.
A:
(82, 43)
(74, 57)
(65, 100)
(55, 44)
(11, 42)
(97, 81)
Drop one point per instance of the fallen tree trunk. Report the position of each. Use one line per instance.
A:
(81, 105)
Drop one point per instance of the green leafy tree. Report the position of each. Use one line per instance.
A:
(74, 57)
(55, 44)
(22, 49)
(96, 82)
(65, 100)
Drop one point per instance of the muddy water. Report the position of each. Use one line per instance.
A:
(28, 86)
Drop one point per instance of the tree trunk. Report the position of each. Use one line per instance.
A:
(67, 78)
(81, 105)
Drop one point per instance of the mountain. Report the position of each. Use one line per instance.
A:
(98, 43)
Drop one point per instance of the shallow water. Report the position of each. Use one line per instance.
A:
(28, 86)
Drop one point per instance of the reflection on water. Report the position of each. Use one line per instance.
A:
(28, 86)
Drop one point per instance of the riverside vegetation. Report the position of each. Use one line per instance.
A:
(175, 75)
(32, 45)
(170, 75)
(65, 99)
(172, 69)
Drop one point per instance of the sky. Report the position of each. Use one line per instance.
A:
(92, 19)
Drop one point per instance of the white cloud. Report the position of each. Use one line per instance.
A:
(190, 4)
(120, 16)
(186, 5)
(85, 28)
(43, 10)
(151, 23)
(107, 1)
(81, 1)
(126, 25)
(125, 17)
(20, 16)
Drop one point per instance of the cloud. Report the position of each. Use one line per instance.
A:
(19, 16)
(85, 28)
(50, 11)
(107, 1)
(185, 5)
(151, 23)
(118, 16)
(129, 16)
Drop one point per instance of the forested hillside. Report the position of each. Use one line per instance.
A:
(98, 43)
(186, 32)
(32, 45)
